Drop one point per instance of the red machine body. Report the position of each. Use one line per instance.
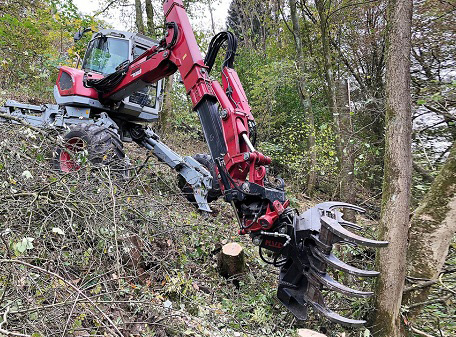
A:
(243, 163)
(77, 78)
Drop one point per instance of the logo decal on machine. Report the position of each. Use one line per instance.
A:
(273, 244)
(136, 72)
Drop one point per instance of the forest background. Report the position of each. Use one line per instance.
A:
(315, 75)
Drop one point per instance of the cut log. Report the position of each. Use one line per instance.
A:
(309, 333)
(231, 260)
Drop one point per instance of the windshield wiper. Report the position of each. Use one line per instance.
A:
(122, 65)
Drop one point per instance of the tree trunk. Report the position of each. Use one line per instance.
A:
(244, 22)
(209, 5)
(167, 105)
(150, 19)
(395, 212)
(347, 164)
(139, 18)
(432, 228)
(322, 8)
(304, 98)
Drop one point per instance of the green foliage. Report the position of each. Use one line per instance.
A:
(35, 38)
(23, 245)
(270, 82)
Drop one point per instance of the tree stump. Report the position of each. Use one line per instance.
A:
(231, 260)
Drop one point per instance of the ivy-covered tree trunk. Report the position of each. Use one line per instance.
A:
(139, 19)
(431, 231)
(397, 179)
(150, 19)
(304, 98)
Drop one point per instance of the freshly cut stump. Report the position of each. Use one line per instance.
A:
(231, 260)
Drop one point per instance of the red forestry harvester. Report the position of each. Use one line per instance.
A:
(119, 87)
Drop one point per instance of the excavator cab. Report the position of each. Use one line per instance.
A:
(110, 49)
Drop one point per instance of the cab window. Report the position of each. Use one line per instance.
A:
(137, 51)
(105, 54)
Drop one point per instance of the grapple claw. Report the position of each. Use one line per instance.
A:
(332, 205)
(343, 222)
(336, 318)
(317, 302)
(335, 227)
(351, 225)
(335, 262)
(332, 284)
(308, 254)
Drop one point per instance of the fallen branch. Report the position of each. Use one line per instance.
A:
(420, 286)
(78, 300)
(419, 332)
(428, 283)
(445, 286)
(438, 300)
(412, 328)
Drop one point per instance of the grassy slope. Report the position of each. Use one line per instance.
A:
(144, 255)
(137, 242)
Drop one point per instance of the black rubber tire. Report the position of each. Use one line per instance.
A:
(103, 145)
(214, 192)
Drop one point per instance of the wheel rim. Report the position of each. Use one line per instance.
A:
(68, 158)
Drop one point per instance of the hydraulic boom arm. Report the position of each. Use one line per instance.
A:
(301, 245)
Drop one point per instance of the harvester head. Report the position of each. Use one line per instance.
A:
(304, 251)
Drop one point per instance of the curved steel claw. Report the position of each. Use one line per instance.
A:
(336, 228)
(332, 205)
(335, 262)
(318, 304)
(304, 275)
(331, 284)
(343, 222)
(336, 318)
